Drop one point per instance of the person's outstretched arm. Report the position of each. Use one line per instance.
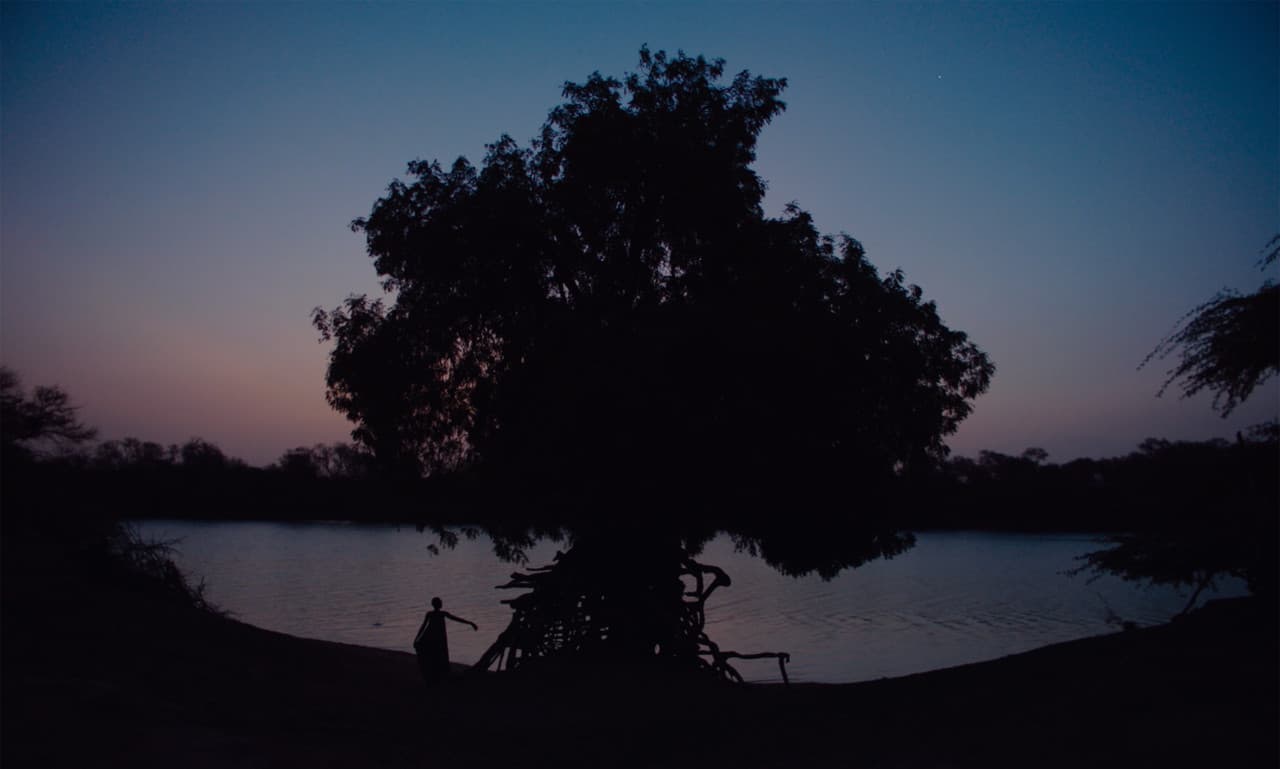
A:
(473, 625)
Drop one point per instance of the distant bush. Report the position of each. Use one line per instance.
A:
(147, 565)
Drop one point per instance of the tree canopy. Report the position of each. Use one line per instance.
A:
(606, 321)
(42, 421)
(1229, 345)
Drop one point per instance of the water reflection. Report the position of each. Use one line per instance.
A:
(957, 597)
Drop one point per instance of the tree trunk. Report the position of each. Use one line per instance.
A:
(616, 603)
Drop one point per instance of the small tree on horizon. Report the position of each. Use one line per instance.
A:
(38, 422)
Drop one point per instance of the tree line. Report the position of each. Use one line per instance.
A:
(53, 468)
(1159, 483)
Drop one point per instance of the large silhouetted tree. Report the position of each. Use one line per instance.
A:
(606, 329)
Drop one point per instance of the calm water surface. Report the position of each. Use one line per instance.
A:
(956, 597)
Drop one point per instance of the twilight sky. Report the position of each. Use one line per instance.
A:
(1064, 180)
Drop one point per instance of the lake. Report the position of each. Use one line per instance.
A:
(955, 598)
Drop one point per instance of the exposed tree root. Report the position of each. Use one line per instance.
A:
(583, 608)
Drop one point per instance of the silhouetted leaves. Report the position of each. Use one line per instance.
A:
(1229, 345)
(39, 422)
(1185, 513)
(604, 329)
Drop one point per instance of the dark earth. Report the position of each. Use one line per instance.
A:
(102, 674)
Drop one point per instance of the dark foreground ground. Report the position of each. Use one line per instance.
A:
(102, 675)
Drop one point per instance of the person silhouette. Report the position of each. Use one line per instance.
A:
(431, 644)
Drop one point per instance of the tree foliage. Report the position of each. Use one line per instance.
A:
(44, 420)
(1228, 345)
(334, 460)
(607, 317)
(1181, 513)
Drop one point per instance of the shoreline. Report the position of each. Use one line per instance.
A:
(96, 675)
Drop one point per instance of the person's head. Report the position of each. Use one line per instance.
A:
(436, 603)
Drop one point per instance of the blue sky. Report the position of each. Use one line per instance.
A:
(1065, 181)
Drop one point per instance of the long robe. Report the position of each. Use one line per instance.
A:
(432, 648)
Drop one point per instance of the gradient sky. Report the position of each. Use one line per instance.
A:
(1064, 180)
